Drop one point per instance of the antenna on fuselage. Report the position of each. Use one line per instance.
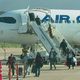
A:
(28, 7)
(28, 4)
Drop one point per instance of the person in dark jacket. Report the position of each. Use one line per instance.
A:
(63, 46)
(11, 63)
(70, 56)
(38, 64)
(38, 21)
(50, 31)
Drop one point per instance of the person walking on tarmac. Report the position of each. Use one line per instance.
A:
(38, 64)
(26, 63)
(53, 58)
(11, 63)
(71, 60)
(63, 46)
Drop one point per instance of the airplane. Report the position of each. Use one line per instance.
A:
(67, 21)
(13, 25)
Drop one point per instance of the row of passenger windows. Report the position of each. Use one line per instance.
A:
(13, 20)
(7, 20)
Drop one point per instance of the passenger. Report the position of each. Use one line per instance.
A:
(11, 63)
(38, 21)
(50, 31)
(32, 57)
(70, 59)
(53, 58)
(38, 64)
(24, 51)
(63, 46)
(73, 60)
(26, 62)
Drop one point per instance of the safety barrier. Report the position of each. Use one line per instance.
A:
(20, 71)
(17, 71)
(10, 70)
(7, 72)
(1, 71)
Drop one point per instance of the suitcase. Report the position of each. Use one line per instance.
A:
(20, 71)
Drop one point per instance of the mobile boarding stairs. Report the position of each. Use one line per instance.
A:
(45, 38)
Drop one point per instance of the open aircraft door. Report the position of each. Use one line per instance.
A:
(24, 21)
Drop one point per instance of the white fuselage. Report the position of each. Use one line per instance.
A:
(66, 21)
(9, 31)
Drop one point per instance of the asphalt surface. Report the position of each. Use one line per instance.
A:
(61, 73)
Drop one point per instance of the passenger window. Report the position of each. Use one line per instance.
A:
(7, 20)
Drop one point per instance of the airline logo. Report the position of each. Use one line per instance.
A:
(61, 19)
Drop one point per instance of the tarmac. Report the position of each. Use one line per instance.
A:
(61, 73)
